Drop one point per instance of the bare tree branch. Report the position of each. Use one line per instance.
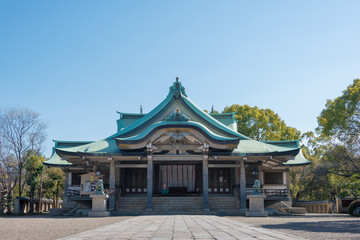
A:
(21, 130)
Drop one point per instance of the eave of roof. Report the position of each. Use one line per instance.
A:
(55, 160)
(253, 147)
(176, 124)
(298, 160)
(207, 117)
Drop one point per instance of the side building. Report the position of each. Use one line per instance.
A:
(175, 158)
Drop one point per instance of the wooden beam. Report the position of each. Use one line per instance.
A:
(177, 157)
(131, 166)
(224, 165)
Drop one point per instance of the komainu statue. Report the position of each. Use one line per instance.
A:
(256, 187)
(100, 188)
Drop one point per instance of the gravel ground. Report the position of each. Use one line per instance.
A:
(45, 227)
(311, 226)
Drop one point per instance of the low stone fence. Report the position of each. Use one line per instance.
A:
(22, 205)
(315, 206)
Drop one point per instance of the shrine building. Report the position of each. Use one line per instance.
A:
(177, 157)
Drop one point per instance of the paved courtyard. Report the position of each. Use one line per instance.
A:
(309, 226)
(180, 227)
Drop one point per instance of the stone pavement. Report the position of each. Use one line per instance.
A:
(180, 227)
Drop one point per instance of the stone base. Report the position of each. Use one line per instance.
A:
(98, 214)
(99, 203)
(256, 206)
(257, 214)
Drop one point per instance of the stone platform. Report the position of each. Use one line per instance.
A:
(256, 203)
(99, 206)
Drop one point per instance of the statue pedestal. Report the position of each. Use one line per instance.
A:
(256, 206)
(99, 206)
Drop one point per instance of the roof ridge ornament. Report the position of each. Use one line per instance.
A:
(177, 89)
(177, 116)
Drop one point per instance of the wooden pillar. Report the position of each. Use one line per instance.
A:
(242, 185)
(112, 185)
(284, 178)
(288, 179)
(206, 183)
(66, 187)
(237, 175)
(261, 177)
(117, 176)
(70, 178)
(112, 175)
(149, 182)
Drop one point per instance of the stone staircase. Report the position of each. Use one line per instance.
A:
(223, 204)
(131, 204)
(137, 204)
(178, 204)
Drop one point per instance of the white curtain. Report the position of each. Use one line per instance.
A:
(178, 176)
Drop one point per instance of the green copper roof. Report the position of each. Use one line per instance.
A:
(299, 159)
(290, 143)
(212, 120)
(99, 147)
(228, 119)
(144, 119)
(137, 127)
(56, 160)
(126, 119)
(177, 124)
(177, 92)
(251, 146)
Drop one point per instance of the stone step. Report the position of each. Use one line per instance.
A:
(221, 203)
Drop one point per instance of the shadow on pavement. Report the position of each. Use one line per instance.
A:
(348, 226)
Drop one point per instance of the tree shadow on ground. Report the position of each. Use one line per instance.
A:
(349, 226)
(314, 215)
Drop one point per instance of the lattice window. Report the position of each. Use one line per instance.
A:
(273, 177)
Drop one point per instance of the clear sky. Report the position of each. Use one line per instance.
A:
(78, 62)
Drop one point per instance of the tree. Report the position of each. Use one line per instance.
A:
(341, 117)
(265, 124)
(21, 130)
(8, 179)
(34, 168)
(340, 121)
(262, 124)
(53, 183)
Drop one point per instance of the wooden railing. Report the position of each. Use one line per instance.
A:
(275, 192)
(269, 192)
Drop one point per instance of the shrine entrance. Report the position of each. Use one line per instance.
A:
(219, 180)
(180, 179)
(135, 180)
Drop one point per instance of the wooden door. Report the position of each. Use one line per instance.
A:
(135, 180)
(219, 180)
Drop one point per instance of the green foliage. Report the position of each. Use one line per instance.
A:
(336, 147)
(53, 182)
(34, 168)
(353, 205)
(341, 116)
(261, 124)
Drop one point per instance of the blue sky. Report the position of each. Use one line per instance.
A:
(78, 62)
